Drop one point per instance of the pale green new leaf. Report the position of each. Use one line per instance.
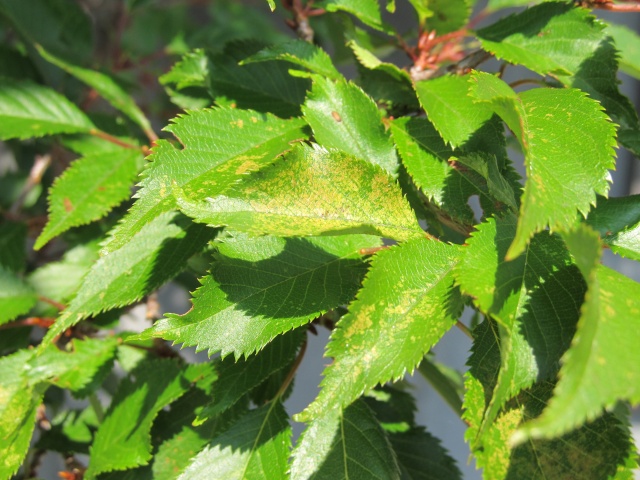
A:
(237, 377)
(367, 11)
(265, 286)
(618, 221)
(545, 122)
(406, 304)
(19, 401)
(220, 146)
(299, 52)
(535, 298)
(31, 110)
(608, 334)
(16, 296)
(154, 255)
(343, 116)
(422, 10)
(311, 191)
(553, 37)
(628, 45)
(344, 444)
(123, 439)
(105, 86)
(256, 447)
(452, 111)
(88, 190)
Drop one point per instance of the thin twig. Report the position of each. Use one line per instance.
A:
(43, 322)
(40, 165)
(464, 329)
(58, 305)
(115, 140)
(372, 250)
(526, 81)
(292, 372)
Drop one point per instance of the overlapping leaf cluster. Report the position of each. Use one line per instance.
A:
(303, 199)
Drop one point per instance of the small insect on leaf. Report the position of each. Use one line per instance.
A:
(336, 116)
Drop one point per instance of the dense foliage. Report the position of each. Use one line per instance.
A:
(307, 183)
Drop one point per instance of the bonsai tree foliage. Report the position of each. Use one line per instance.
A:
(300, 198)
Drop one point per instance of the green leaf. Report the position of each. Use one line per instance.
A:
(422, 10)
(497, 185)
(237, 377)
(16, 65)
(190, 76)
(344, 444)
(68, 32)
(607, 335)
(450, 15)
(383, 81)
(105, 86)
(333, 194)
(493, 5)
(71, 431)
(299, 52)
(425, 156)
(123, 440)
(343, 116)
(30, 110)
(76, 368)
(422, 457)
(88, 190)
(16, 296)
(628, 45)
(17, 411)
(255, 447)
(291, 282)
(618, 221)
(419, 455)
(272, 4)
(192, 70)
(545, 122)
(601, 445)
(60, 280)
(156, 253)
(454, 114)
(220, 147)
(535, 298)
(367, 11)
(553, 37)
(265, 87)
(13, 238)
(598, 76)
(406, 304)
(444, 380)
